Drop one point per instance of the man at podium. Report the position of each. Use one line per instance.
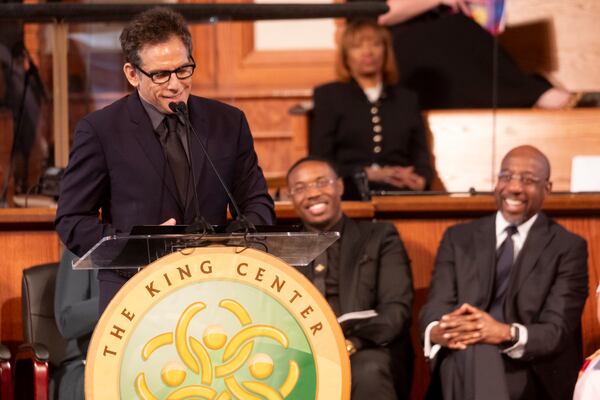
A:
(132, 163)
(366, 279)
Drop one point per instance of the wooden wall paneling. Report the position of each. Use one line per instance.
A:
(27, 238)
(60, 93)
(568, 40)
(245, 67)
(589, 229)
(468, 150)
(293, 68)
(272, 131)
(561, 135)
(462, 148)
(300, 128)
(20, 249)
(206, 55)
(532, 45)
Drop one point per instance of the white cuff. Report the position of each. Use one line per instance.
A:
(430, 350)
(517, 350)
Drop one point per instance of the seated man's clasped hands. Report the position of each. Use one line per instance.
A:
(468, 325)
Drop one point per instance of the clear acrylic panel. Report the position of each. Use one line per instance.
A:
(135, 251)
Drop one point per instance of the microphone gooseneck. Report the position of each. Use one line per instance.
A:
(241, 223)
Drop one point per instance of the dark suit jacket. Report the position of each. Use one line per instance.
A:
(117, 165)
(547, 290)
(76, 313)
(341, 129)
(374, 273)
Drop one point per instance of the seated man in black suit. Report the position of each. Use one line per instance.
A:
(367, 269)
(136, 161)
(502, 320)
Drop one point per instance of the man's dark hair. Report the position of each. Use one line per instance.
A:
(153, 26)
(308, 159)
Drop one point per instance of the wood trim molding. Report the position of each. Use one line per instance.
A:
(245, 67)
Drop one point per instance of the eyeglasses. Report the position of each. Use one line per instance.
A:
(160, 77)
(320, 183)
(525, 179)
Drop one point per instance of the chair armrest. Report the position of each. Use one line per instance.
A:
(4, 353)
(6, 384)
(32, 351)
(31, 372)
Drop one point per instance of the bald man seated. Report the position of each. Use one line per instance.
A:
(502, 318)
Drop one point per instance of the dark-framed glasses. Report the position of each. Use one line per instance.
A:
(525, 179)
(160, 77)
(302, 188)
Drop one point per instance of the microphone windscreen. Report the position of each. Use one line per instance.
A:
(181, 107)
(173, 107)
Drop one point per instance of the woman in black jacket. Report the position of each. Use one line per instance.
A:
(365, 123)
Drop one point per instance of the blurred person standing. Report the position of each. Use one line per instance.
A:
(448, 59)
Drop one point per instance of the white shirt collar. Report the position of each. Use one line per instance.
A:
(519, 237)
(374, 92)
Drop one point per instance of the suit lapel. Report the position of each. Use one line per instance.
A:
(353, 243)
(537, 239)
(144, 134)
(485, 259)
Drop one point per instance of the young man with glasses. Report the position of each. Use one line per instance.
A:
(367, 269)
(134, 161)
(502, 318)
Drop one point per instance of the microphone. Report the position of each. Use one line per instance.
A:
(241, 223)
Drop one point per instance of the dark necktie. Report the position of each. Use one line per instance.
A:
(176, 157)
(504, 261)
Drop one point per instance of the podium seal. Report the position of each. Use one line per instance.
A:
(218, 323)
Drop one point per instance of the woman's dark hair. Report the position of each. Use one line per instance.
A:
(153, 26)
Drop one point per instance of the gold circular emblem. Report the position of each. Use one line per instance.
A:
(218, 323)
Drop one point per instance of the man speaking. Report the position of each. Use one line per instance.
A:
(132, 162)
